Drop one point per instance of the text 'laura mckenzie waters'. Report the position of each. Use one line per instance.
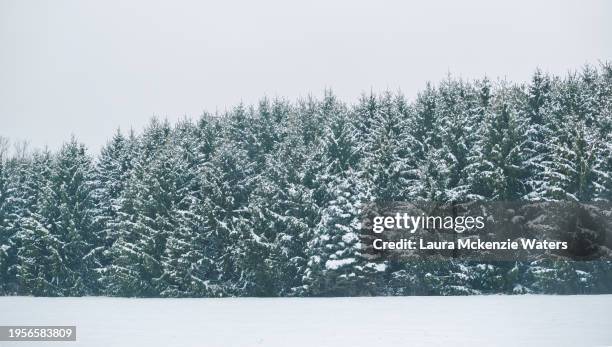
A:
(468, 244)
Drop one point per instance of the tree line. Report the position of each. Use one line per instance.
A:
(265, 200)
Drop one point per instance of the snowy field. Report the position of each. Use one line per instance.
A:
(399, 321)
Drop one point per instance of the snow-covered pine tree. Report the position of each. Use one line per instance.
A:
(113, 170)
(569, 173)
(222, 178)
(387, 162)
(425, 178)
(69, 211)
(603, 129)
(182, 261)
(228, 182)
(258, 256)
(337, 262)
(536, 117)
(41, 271)
(143, 219)
(364, 114)
(451, 155)
(495, 172)
(28, 181)
(57, 237)
(312, 120)
(283, 208)
(18, 202)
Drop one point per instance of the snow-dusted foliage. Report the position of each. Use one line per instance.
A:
(266, 200)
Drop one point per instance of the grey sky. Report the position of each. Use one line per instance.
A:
(88, 67)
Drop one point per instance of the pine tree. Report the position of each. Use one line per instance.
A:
(603, 132)
(496, 171)
(569, 173)
(184, 264)
(284, 211)
(425, 178)
(536, 120)
(112, 171)
(388, 163)
(143, 217)
(337, 263)
(39, 262)
(18, 202)
(68, 211)
(453, 150)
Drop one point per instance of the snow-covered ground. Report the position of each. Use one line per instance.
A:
(373, 322)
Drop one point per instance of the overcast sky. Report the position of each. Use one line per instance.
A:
(88, 67)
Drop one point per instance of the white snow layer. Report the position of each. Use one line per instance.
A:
(334, 264)
(529, 320)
